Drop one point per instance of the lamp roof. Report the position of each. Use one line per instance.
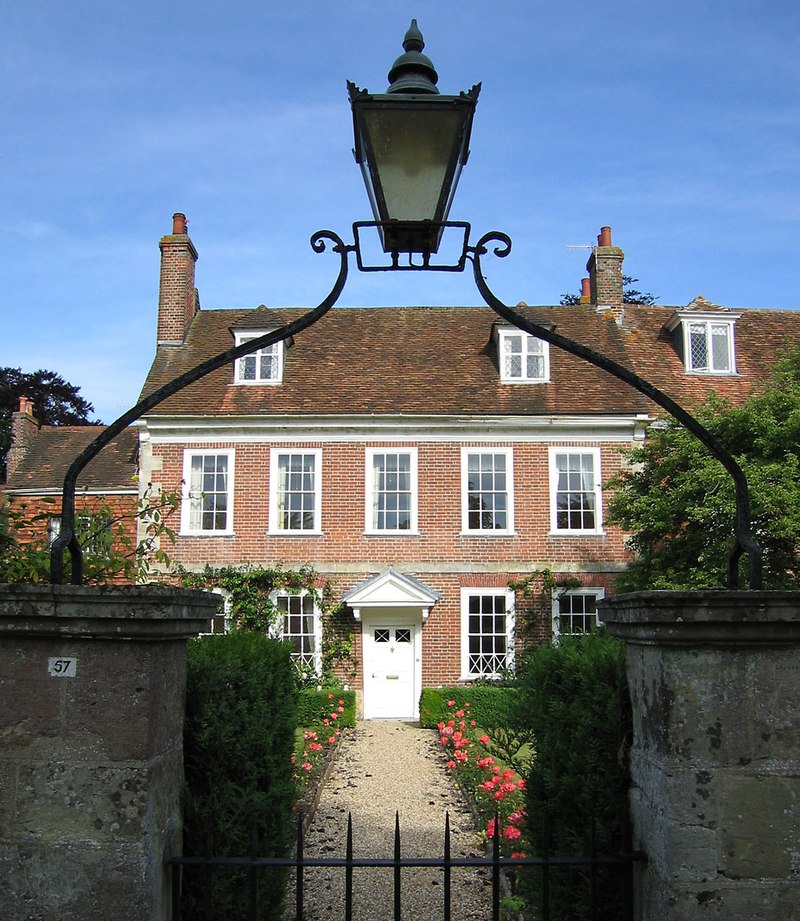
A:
(413, 72)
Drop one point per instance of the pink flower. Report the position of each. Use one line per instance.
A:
(459, 713)
(330, 696)
(443, 740)
(334, 716)
(306, 765)
(484, 740)
(511, 833)
(498, 795)
(460, 755)
(508, 787)
(447, 731)
(487, 785)
(490, 828)
(508, 775)
(450, 764)
(472, 722)
(341, 709)
(451, 703)
(440, 725)
(517, 818)
(341, 703)
(520, 784)
(518, 855)
(326, 721)
(332, 740)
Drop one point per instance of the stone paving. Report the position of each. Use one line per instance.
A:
(384, 767)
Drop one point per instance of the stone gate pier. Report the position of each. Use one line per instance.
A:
(92, 695)
(715, 684)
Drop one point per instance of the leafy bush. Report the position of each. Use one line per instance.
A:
(491, 706)
(315, 706)
(574, 702)
(241, 713)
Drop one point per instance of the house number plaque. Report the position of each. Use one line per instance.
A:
(62, 667)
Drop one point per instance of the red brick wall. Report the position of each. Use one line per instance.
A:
(37, 510)
(439, 556)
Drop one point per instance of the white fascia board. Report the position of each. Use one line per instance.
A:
(620, 428)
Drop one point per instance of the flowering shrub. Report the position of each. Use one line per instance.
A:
(496, 791)
(314, 744)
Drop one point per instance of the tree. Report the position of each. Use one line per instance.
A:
(679, 502)
(630, 295)
(56, 402)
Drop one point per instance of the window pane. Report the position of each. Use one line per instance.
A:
(487, 492)
(720, 349)
(296, 498)
(576, 497)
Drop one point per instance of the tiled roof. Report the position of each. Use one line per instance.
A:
(408, 360)
(760, 336)
(55, 447)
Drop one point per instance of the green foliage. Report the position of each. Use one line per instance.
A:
(679, 502)
(574, 703)
(534, 594)
(110, 552)
(251, 590)
(314, 706)
(238, 742)
(491, 706)
(56, 402)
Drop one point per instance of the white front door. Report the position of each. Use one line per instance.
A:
(391, 668)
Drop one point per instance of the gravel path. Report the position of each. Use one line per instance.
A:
(383, 767)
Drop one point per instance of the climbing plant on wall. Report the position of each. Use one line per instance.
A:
(252, 593)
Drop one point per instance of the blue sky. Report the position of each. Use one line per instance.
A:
(676, 123)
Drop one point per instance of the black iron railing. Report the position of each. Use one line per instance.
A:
(594, 865)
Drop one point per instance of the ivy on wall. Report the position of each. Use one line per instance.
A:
(252, 606)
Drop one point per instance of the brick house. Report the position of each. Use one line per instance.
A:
(422, 458)
(107, 491)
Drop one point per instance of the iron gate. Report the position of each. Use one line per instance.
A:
(621, 863)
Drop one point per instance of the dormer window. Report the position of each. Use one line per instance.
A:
(264, 366)
(523, 358)
(705, 340)
(710, 348)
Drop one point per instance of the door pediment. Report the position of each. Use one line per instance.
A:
(391, 589)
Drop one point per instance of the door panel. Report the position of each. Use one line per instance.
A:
(389, 670)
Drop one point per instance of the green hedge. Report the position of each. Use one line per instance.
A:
(574, 702)
(490, 705)
(316, 705)
(241, 717)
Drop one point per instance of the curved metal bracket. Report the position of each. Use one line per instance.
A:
(744, 541)
(67, 536)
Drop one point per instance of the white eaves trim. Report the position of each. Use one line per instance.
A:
(379, 428)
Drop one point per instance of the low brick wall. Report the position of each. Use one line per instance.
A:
(92, 696)
(715, 684)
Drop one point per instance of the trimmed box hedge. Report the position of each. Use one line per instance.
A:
(489, 705)
(314, 705)
(241, 715)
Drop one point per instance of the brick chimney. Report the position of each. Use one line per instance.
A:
(605, 274)
(177, 296)
(24, 426)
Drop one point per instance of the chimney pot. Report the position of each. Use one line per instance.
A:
(586, 291)
(604, 238)
(179, 223)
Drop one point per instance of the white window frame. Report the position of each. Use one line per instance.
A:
(707, 324)
(597, 491)
(586, 591)
(277, 350)
(466, 453)
(370, 511)
(275, 512)
(530, 345)
(280, 629)
(508, 601)
(188, 495)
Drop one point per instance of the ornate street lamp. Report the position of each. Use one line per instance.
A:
(411, 144)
